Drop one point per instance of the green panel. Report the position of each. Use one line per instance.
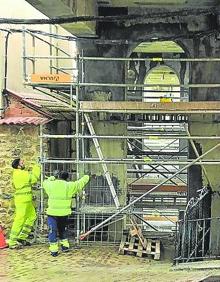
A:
(162, 75)
(158, 47)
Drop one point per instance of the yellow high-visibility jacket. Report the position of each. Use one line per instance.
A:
(60, 193)
(23, 181)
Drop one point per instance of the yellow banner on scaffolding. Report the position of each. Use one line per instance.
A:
(51, 78)
(166, 100)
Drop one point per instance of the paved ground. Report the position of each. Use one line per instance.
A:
(88, 264)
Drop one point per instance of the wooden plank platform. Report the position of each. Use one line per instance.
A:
(144, 187)
(132, 246)
(152, 107)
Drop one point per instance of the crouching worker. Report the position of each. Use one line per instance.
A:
(60, 193)
(25, 214)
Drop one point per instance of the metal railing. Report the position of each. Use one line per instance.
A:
(194, 239)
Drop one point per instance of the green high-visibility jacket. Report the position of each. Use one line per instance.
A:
(60, 193)
(22, 181)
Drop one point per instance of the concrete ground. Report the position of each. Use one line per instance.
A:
(89, 264)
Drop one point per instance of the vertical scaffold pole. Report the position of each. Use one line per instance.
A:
(33, 54)
(24, 54)
(77, 147)
(51, 50)
(41, 219)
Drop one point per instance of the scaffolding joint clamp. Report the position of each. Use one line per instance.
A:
(157, 59)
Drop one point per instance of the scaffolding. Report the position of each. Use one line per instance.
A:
(105, 206)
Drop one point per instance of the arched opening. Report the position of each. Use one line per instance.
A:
(154, 71)
(161, 80)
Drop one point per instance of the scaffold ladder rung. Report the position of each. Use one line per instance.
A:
(101, 158)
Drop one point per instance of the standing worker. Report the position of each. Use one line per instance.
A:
(25, 214)
(60, 193)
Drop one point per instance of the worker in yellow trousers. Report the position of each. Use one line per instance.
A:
(25, 214)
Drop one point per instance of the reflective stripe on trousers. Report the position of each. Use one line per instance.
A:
(53, 247)
(65, 243)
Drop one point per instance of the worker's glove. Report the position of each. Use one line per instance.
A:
(92, 176)
(38, 160)
(35, 162)
(36, 187)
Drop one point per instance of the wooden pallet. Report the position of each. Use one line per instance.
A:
(132, 246)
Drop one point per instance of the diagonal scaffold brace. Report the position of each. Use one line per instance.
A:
(83, 236)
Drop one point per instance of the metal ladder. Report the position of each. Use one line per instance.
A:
(101, 158)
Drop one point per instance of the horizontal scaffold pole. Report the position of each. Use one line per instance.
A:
(125, 85)
(155, 59)
(147, 136)
(130, 161)
(148, 192)
(50, 57)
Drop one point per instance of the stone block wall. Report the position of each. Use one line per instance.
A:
(16, 141)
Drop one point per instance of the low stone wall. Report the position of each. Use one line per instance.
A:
(16, 141)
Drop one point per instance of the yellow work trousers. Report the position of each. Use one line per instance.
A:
(25, 217)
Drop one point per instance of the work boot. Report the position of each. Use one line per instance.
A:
(17, 246)
(65, 249)
(65, 246)
(24, 243)
(13, 245)
(54, 254)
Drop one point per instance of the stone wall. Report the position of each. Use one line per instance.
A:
(16, 141)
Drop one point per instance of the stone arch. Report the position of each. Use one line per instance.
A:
(137, 71)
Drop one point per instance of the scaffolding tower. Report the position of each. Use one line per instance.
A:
(104, 203)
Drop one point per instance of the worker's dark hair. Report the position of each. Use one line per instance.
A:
(15, 163)
(64, 175)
